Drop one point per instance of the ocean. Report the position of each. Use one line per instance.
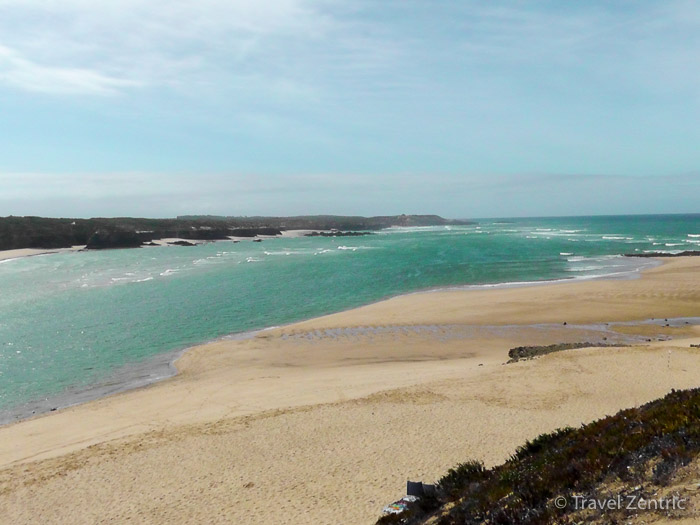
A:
(74, 326)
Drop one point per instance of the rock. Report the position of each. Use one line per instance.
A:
(257, 240)
(529, 352)
(182, 243)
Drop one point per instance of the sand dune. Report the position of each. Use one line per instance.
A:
(323, 421)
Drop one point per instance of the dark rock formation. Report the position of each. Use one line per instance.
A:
(253, 232)
(182, 243)
(203, 234)
(528, 352)
(337, 234)
(103, 239)
(688, 253)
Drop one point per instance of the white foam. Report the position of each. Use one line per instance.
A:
(565, 253)
(584, 268)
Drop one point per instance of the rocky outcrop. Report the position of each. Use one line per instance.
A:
(687, 253)
(104, 239)
(253, 232)
(182, 243)
(337, 234)
(529, 352)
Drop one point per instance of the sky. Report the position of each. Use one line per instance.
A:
(242, 107)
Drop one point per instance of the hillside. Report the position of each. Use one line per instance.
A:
(631, 459)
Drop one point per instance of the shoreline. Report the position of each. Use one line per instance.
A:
(163, 366)
(341, 409)
(21, 253)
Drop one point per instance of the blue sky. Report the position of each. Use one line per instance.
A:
(466, 109)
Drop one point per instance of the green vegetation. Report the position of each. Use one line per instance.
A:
(635, 450)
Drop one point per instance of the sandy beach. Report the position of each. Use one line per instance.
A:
(6, 255)
(324, 420)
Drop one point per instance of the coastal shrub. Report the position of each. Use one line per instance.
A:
(456, 479)
(541, 442)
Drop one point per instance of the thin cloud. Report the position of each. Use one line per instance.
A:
(95, 45)
(27, 75)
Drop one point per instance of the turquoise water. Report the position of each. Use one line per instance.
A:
(69, 321)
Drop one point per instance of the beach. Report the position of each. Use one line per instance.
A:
(323, 421)
(6, 255)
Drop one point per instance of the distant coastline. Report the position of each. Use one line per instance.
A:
(126, 232)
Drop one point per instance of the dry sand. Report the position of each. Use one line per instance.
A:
(323, 421)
